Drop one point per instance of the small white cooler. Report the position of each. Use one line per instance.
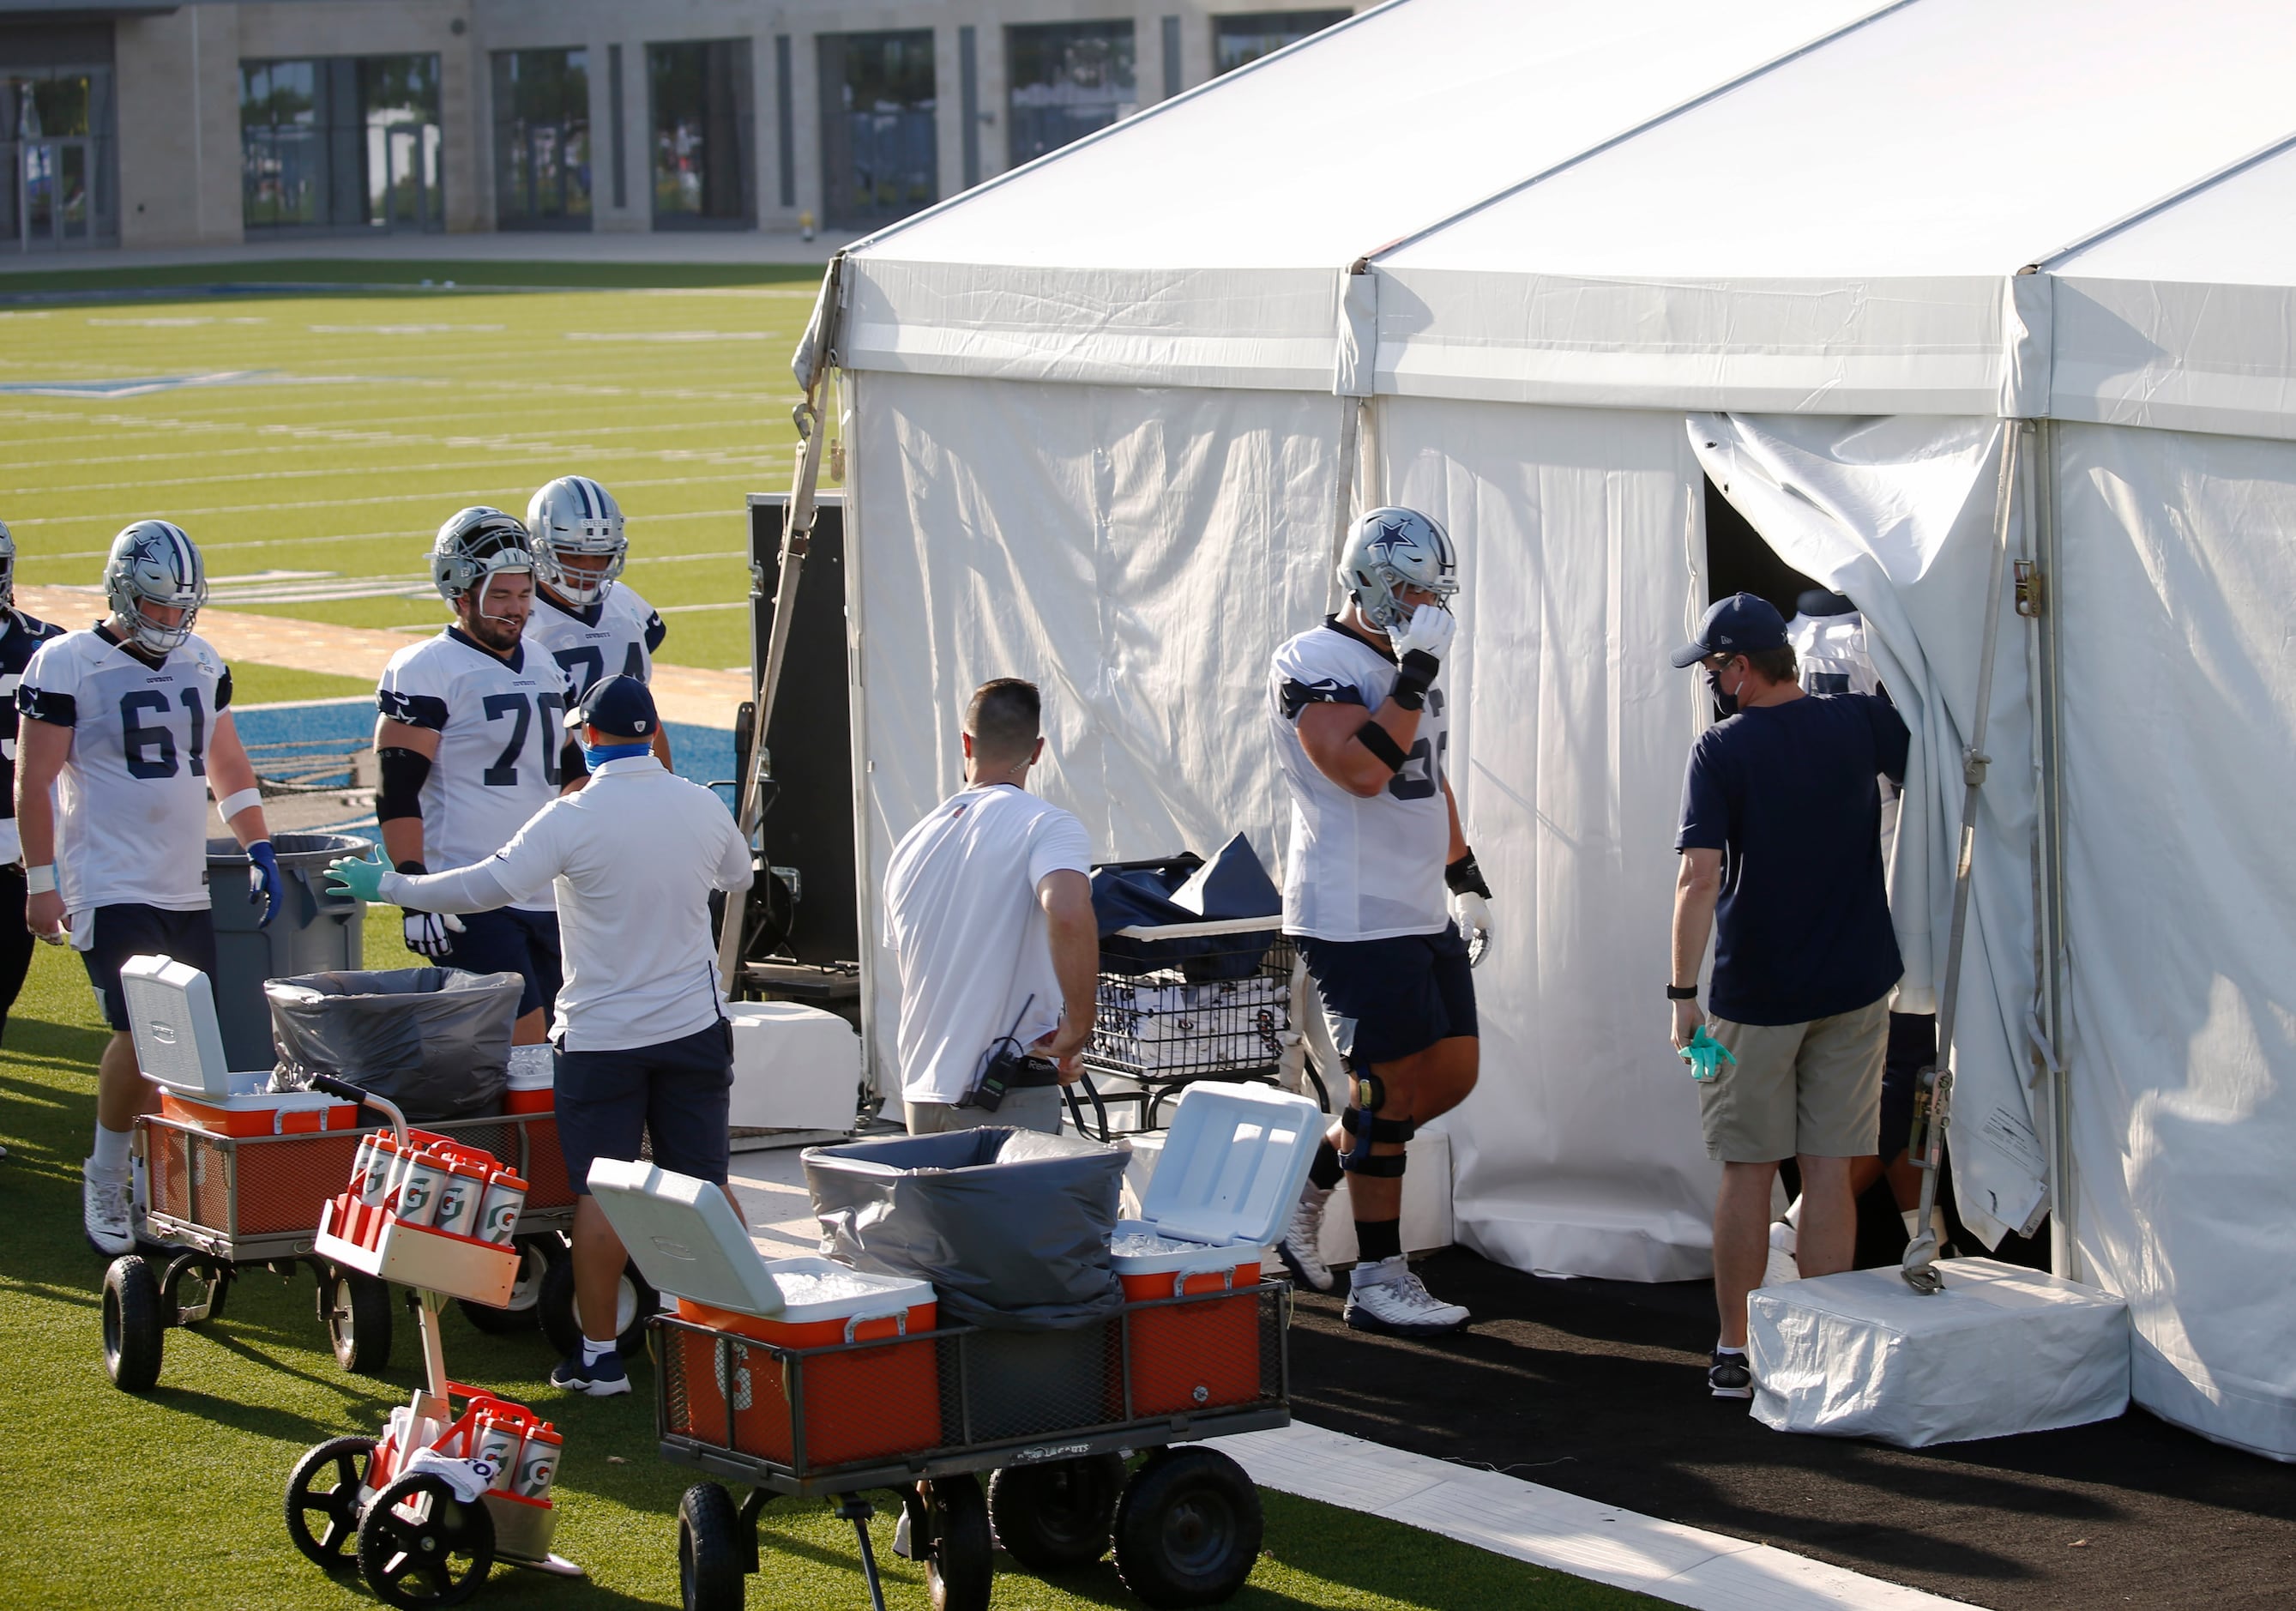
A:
(2000, 1350)
(795, 1067)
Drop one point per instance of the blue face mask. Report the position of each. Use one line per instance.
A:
(594, 756)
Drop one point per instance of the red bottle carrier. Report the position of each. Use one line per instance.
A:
(376, 1239)
(1231, 1169)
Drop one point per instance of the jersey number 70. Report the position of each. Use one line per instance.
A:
(520, 711)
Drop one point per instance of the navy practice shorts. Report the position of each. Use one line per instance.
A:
(510, 941)
(1912, 1046)
(1387, 999)
(123, 932)
(678, 1093)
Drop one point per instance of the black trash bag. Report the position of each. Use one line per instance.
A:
(436, 1040)
(1185, 889)
(1011, 1226)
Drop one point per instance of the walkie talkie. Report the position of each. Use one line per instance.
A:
(1002, 1061)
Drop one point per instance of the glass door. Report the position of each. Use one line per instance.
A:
(59, 194)
(398, 187)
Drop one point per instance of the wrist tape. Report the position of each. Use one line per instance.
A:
(1416, 676)
(40, 879)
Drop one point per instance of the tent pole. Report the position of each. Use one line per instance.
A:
(1933, 1101)
(2064, 1244)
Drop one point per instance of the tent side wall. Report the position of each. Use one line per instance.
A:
(2177, 590)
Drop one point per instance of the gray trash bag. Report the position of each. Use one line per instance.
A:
(436, 1040)
(1011, 1226)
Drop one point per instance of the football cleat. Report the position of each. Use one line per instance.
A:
(1301, 1248)
(1387, 1297)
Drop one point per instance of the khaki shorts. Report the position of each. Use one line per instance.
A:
(1034, 1107)
(1811, 1088)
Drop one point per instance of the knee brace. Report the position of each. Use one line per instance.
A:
(1360, 1119)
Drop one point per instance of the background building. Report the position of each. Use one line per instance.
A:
(202, 122)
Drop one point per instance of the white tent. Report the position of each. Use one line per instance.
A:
(1101, 416)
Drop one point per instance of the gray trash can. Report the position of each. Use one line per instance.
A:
(315, 933)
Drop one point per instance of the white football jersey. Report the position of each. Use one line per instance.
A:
(501, 726)
(614, 638)
(1831, 652)
(132, 799)
(1359, 869)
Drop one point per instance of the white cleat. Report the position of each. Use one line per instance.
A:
(107, 1207)
(1301, 1248)
(1387, 1297)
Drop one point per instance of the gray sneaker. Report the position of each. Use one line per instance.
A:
(107, 1209)
(1730, 1377)
(1386, 1297)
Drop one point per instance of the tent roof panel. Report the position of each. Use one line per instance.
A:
(2238, 231)
(1947, 137)
(1360, 135)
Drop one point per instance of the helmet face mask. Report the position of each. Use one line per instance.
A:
(575, 518)
(151, 563)
(7, 568)
(1392, 550)
(474, 547)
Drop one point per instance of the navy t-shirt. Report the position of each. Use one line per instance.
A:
(1787, 792)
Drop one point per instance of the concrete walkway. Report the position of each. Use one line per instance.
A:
(681, 692)
(673, 246)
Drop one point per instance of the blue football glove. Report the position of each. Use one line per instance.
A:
(263, 884)
(356, 877)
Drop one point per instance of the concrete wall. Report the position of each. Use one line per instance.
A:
(178, 81)
(177, 94)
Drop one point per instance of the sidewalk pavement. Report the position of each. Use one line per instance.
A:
(685, 693)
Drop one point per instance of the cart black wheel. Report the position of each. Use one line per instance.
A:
(516, 1318)
(422, 1548)
(710, 1571)
(562, 1321)
(961, 1563)
(135, 1324)
(1188, 1529)
(1056, 1514)
(323, 1500)
(358, 1321)
(193, 1281)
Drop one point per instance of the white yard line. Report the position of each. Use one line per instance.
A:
(1507, 1516)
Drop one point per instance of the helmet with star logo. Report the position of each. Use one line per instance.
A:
(154, 563)
(1391, 550)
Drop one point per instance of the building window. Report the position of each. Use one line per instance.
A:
(541, 139)
(341, 144)
(58, 182)
(1239, 39)
(702, 126)
(880, 151)
(1068, 79)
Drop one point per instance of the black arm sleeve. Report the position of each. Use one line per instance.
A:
(400, 792)
(571, 762)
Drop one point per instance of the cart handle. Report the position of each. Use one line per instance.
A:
(899, 1316)
(366, 1098)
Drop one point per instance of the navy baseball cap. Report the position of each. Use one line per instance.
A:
(615, 704)
(1740, 624)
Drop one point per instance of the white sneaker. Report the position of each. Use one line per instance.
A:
(1781, 1267)
(107, 1205)
(1387, 1297)
(1301, 1248)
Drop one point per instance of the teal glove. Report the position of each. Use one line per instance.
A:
(1706, 1055)
(356, 877)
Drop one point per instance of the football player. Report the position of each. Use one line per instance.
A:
(21, 635)
(1361, 733)
(469, 742)
(592, 624)
(125, 730)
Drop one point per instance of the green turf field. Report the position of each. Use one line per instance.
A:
(175, 1497)
(311, 437)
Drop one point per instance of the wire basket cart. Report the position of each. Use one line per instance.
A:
(221, 1203)
(1181, 1002)
(1054, 1416)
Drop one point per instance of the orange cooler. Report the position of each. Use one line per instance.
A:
(872, 1403)
(1230, 1172)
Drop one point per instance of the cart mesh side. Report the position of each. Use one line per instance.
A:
(1219, 1009)
(799, 1415)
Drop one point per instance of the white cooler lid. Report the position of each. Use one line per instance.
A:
(1234, 1160)
(686, 1236)
(171, 1014)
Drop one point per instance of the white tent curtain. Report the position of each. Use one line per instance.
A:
(1898, 512)
(2178, 588)
(1138, 553)
(1580, 1153)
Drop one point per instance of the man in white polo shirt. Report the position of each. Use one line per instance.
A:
(988, 909)
(644, 1048)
